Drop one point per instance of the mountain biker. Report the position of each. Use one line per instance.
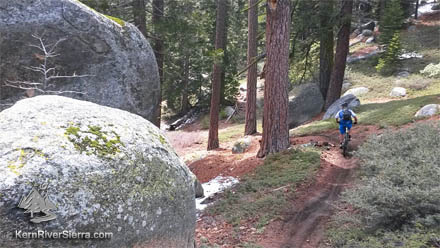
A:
(344, 118)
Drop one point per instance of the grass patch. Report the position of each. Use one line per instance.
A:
(423, 41)
(314, 127)
(393, 113)
(255, 196)
(234, 131)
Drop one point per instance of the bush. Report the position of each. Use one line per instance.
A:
(400, 173)
(205, 122)
(223, 115)
(431, 70)
(352, 238)
(398, 197)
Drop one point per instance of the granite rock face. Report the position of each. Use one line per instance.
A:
(104, 170)
(357, 91)
(352, 101)
(121, 64)
(398, 92)
(428, 111)
(305, 102)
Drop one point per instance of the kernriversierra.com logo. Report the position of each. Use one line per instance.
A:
(38, 204)
(34, 202)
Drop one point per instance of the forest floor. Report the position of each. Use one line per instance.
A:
(304, 222)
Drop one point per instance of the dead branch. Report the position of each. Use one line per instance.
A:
(48, 73)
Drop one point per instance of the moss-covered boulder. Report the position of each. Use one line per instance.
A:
(119, 62)
(102, 170)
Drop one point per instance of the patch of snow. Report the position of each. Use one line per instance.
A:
(426, 8)
(411, 55)
(216, 185)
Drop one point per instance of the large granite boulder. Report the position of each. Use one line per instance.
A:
(428, 111)
(368, 26)
(103, 170)
(242, 145)
(357, 91)
(121, 64)
(305, 102)
(352, 101)
(398, 92)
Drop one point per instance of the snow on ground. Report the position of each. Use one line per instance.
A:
(216, 185)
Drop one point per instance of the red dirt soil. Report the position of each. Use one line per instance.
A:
(304, 224)
(335, 172)
(225, 163)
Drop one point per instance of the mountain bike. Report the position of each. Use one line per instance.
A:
(345, 143)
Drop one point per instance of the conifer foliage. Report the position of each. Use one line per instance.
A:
(390, 61)
(391, 21)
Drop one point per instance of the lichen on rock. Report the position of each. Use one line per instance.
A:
(106, 170)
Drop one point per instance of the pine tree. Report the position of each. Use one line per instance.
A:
(220, 41)
(391, 21)
(342, 48)
(390, 60)
(158, 47)
(251, 93)
(275, 137)
(325, 45)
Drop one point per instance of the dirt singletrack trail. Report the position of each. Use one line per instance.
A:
(314, 203)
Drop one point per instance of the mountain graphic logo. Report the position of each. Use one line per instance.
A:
(35, 203)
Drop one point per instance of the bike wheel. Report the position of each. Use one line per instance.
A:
(345, 144)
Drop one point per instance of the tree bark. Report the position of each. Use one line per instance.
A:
(326, 45)
(158, 9)
(224, 60)
(337, 76)
(416, 13)
(185, 103)
(140, 20)
(251, 93)
(220, 43)
(275, 136)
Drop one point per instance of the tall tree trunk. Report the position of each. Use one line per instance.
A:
(220, 43)
(158, 9)
(326, 45)
(276, 130)
(140, 20)
(381, 10)
(185, 103)
(416, 13)
(251, 93)
(225, 59)
(337, 76)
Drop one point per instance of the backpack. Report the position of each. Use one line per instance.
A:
(346, 115)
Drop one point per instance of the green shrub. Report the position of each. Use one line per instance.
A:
(390, 60)
(204, 123)
(355, 238)
(400, 179)
(431, 70)
(397, 202)
(223, 115)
